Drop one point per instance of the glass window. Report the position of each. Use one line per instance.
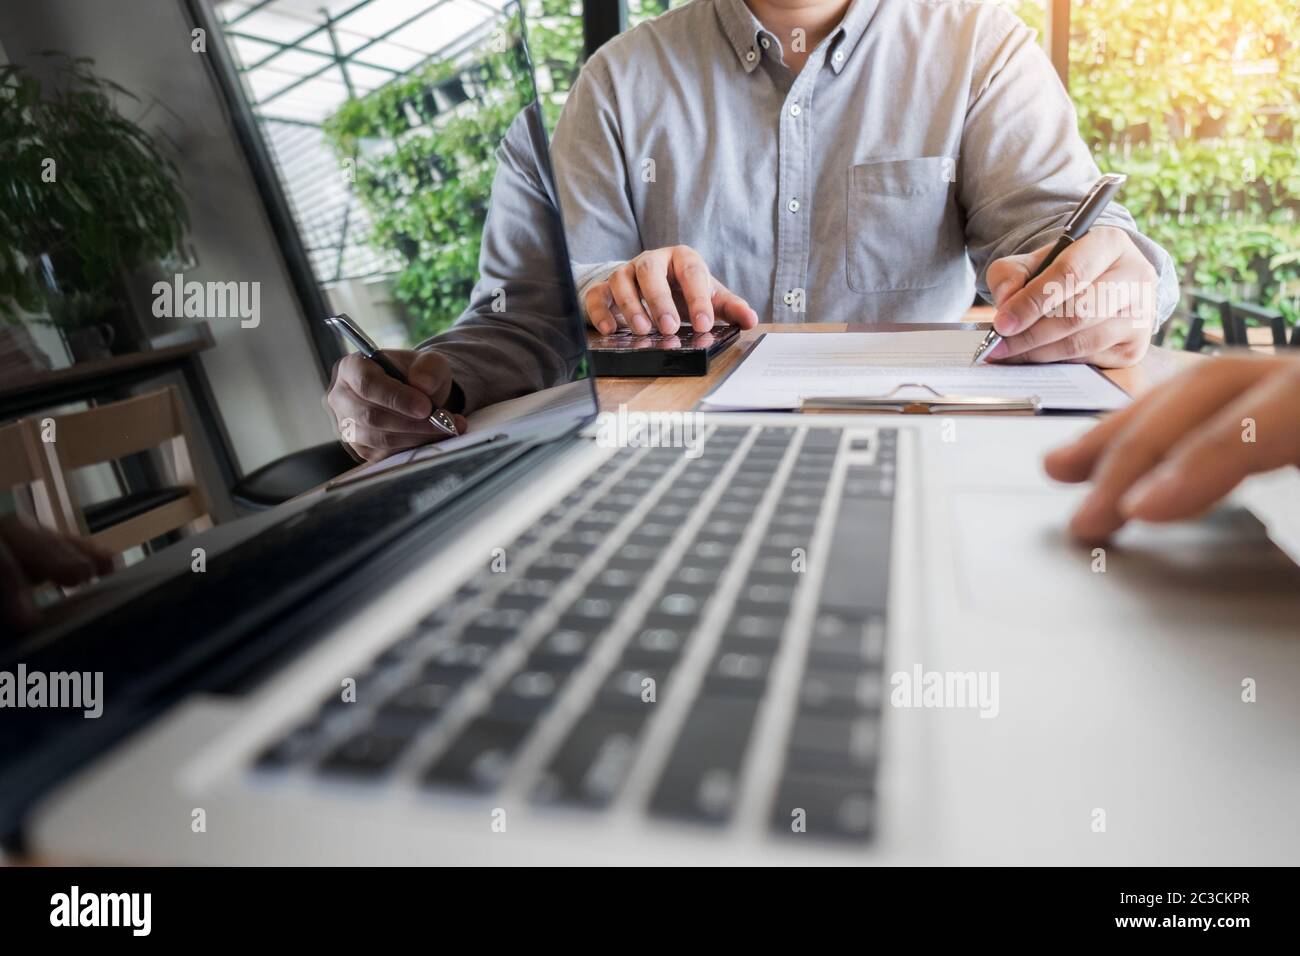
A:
(379, 127)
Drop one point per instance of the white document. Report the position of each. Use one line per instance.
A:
(787, 367)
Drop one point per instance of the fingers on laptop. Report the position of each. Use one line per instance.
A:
(1182, 447)
(663, 290)
(377, 415)
(1256, 432)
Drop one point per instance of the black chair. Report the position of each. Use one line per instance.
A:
(1200, 302)
(290, 476)
(1243, 315)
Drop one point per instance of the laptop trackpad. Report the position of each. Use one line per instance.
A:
(1015, 561)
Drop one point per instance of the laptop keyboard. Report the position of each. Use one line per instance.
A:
(700, 637)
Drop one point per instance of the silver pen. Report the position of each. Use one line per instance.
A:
(1085, 214)
(440, 419)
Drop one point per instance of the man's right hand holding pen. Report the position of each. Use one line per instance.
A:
(1088, 297)
(377, 415)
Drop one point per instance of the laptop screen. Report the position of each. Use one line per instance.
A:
(520, 345)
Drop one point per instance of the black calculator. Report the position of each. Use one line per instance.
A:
(687, 352)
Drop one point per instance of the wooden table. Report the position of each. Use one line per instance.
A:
(682, 394)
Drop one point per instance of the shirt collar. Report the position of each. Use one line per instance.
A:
(744, 32)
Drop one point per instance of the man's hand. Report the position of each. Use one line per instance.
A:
(31, 555)
(673, 286)
(1096, 303)
(1182, 447)
(376, 415)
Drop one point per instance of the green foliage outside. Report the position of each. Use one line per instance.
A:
(424, 172)
(1198, 101)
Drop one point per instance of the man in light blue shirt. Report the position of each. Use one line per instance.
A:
(830, 161)
(788, 161)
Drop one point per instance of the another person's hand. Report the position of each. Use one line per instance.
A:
(30, 556)
(674, 286)
(1096, 303)
(376, 415)
(1180, 448)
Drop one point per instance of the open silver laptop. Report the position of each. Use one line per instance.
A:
(743, 639)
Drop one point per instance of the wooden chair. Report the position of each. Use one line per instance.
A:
(111, 432)
(23, 466)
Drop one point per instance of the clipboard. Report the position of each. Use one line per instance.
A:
(938, 404)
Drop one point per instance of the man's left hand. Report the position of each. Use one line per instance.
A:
(1096, 303)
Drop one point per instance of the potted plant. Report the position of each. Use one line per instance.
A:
(85, 196)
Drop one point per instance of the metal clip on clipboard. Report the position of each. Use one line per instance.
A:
(919, 406)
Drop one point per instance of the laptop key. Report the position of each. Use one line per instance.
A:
(738, 672)
(430, 692)
(679, 604)
(527, 695)
(700, 782)
(496, 625)
(593, 761)
(841, 640)
(468, 657)
(840, 691)
(835, 746)
(808, 805)
(594, 609)
(562, 649)
(631, 687)
(293, 747)
(857, 572)
(658, 643)
(480, 756)
(368, 753)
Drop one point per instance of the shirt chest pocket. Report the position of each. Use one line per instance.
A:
(903, 228)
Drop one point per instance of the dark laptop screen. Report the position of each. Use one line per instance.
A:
(521, 332)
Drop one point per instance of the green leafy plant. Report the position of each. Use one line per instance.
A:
(84, 193)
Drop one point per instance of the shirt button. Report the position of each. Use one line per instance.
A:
(793, 205)
(750, 56)
(789, 298)
(766, 43)
(839, 56)
(795, 110)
